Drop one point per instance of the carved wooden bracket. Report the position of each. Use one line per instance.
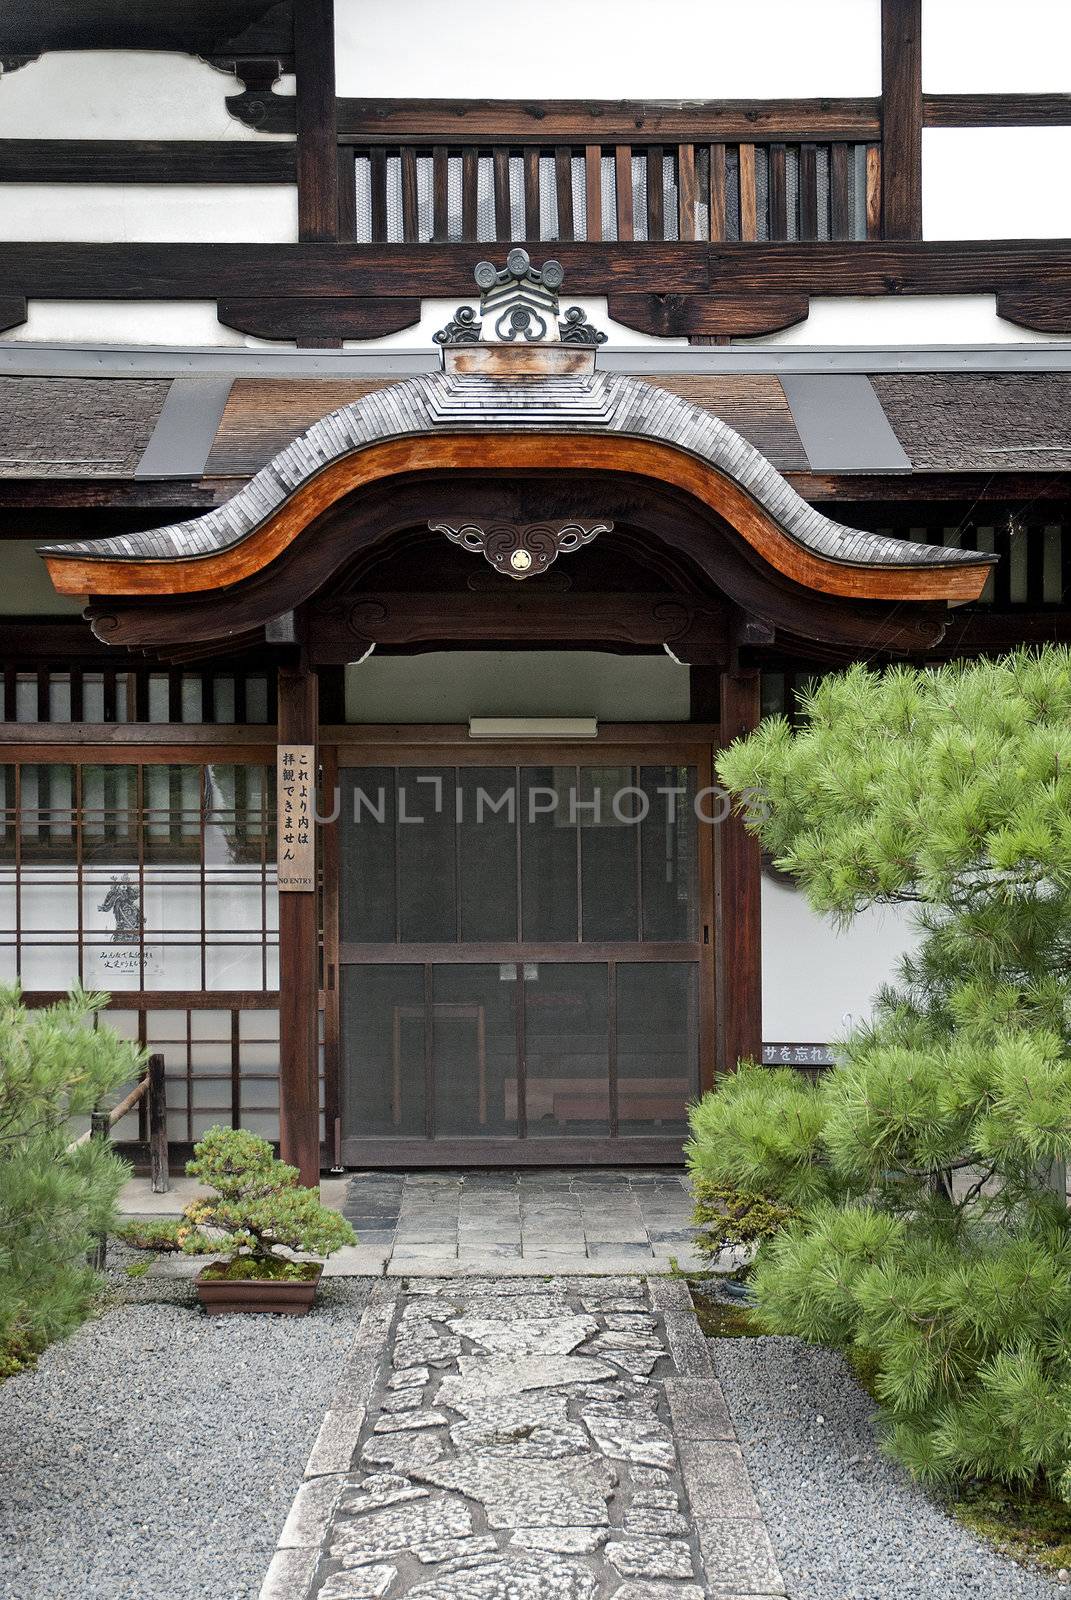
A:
(731, 314)
(525, 549)
(303, 319)
(12, 310)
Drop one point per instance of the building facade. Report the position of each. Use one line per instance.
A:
(420, 456)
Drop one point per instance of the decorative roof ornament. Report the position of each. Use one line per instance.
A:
(519, 303)
(522, 549)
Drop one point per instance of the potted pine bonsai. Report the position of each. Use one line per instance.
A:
(259, 1208)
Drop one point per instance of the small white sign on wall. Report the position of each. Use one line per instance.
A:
(297, 839)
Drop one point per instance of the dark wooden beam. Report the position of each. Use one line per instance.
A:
(299, 980)
(901, 118)
(917, 488)
(198, 27)
(146, 161)
(840, 267)
(737, 930)
(341, 630)
(609, 122)
(996, 110)
(317, 131)
(63, 493)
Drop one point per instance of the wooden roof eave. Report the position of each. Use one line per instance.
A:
(960, 578)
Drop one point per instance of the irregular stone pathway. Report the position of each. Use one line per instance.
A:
(519, 1439)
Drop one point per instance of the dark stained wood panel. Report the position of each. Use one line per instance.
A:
(996, 110)
(901, 117)
(263, 415)
(200, 27)
(586, 121)
(146, 161)
(317, 132)
(969, 421)
(76, 427)
(752, 403)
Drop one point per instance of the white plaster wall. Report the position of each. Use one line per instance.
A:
(996, 183)
(451, 686)
(173, 213)
(435, 314)
(981, 45)
(188, 324)
(629, 49)
(908, 320)
(815, 980)
(120, 94)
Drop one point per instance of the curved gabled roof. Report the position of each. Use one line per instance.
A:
(449, 404)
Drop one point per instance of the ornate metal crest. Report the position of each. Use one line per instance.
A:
(522, 550)
(520, 303)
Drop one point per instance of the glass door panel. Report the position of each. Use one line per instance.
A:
(657, 1045)
(548, 855)
(566, 1049)
(487, 853)
(559, 885)
(383, 1023)
(609, 843)
(474, 1049)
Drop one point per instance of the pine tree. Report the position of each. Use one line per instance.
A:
(54, 1065)
(933, 1243)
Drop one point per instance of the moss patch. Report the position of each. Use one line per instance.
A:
(1030, 1527)
(245, 1269)
(722, 1319)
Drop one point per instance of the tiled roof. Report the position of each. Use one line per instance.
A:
(600, 403)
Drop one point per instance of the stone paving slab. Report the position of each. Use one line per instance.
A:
(526, 1439)
(486, 1223)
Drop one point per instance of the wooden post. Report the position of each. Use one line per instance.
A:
(317, 121)
(737, 899)
(100, 1127)
(158, 1162)
(299, 1086)
(901, 118)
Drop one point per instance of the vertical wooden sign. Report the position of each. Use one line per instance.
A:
(296, 769)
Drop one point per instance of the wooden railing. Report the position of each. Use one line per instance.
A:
(153, 1090)
(709, 190)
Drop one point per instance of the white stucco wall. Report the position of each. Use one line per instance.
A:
(632, 49)
(171, 213)
(120, 94)
(183, 323)
(996, 183)
(981, 45)
(815, 978)
(909, 320)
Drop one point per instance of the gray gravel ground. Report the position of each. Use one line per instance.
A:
(846, 1522)
(155, 1454)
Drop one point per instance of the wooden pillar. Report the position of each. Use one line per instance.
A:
(299, 977)
(901, 119)
(737, 899)
(317, 121)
